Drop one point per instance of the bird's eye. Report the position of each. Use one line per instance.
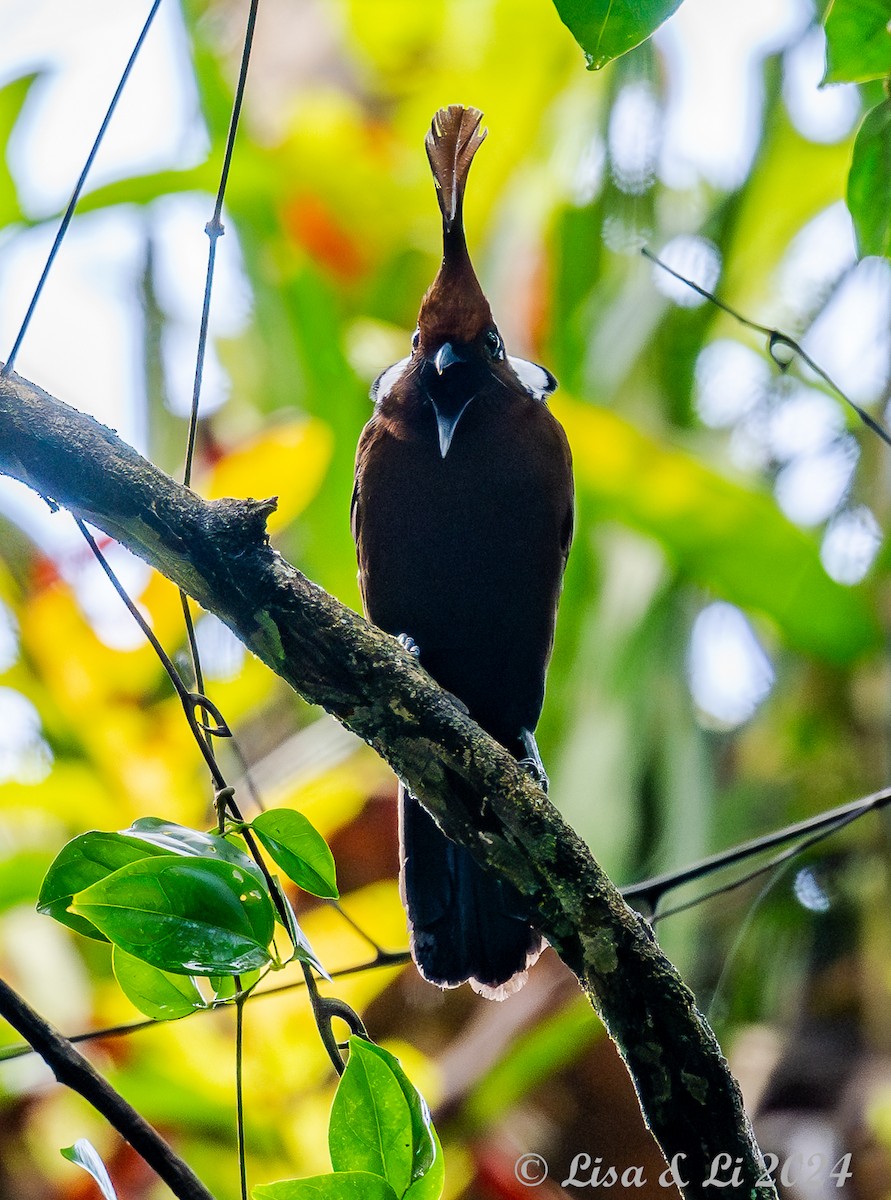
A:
(493, 344)
(415, 338)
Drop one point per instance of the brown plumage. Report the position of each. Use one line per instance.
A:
(462, 514)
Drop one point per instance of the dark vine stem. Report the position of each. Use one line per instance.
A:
(239, 1086)
(214, 230)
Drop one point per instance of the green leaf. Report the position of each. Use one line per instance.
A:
(82, 862)
(303, 951)
(606, 29)
(858, 43)
(299, 849)
(869, 182)
(371, 1123)
(84, 1154)
(427, 1172)
(159, 994)
(170, 838)
(341, 1185)
(189, 916)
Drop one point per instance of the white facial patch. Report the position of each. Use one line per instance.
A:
(538, 382)
(387, 380)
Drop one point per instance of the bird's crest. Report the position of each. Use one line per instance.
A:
(454, 306)
(453, 140)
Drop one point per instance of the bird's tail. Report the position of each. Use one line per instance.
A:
(464, 922)
(453, 140)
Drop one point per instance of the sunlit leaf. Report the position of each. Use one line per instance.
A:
(726, 537)
(188, 916)
(371, 1126)
(288, 461)
(300, 851)
(869, 183)
(858, 41)
(85, 1155)
(82, 862)
(606, 29)
(339, 1185)
(159, 994)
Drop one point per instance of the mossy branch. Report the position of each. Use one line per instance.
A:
(219, 553)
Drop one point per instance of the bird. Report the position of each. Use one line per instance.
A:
(462, 513)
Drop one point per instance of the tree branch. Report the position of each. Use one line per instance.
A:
(72, 1069)
(218, 552)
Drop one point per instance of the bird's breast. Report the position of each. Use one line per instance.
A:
(464, 552)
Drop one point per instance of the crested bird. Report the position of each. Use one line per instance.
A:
(462, 512)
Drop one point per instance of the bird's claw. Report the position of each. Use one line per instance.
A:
(409, 644)
(537, 771)
(531, 762)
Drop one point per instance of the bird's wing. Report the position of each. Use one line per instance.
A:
(567, 529)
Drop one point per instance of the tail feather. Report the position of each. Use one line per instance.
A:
(453, 140)
(464, 923)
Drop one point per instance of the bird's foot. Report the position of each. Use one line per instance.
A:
(531, 762)
(409, 644)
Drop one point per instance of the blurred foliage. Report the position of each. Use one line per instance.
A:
(682, 503)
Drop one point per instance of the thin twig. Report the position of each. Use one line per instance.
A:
(394, 958)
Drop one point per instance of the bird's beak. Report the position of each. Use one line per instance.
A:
(446, 424)
(445, 356)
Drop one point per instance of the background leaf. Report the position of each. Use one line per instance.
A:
(12, 99)
(727, 537)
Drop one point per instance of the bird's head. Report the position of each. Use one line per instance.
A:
(457, 350)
